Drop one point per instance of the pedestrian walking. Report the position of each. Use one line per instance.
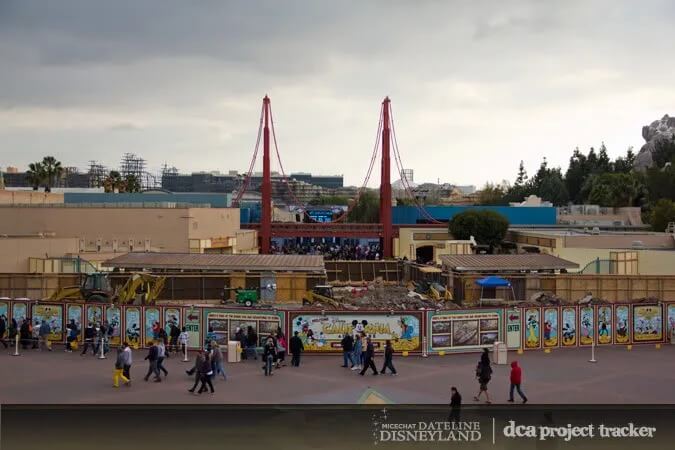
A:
(269, 356)
(217, 361)
(164, 338)
(45, 331)
(199, 360)
(296, 347)
(161, 354)
(204, 373)
(455, 405)
(240, 337)
(281, 349)
(357, 353)
(211, 337)
(73, 333)
(484, 374)
(174, 335)
(152, 357)
(89, 335)
(128, 360)
(3, 329)
(251, 342)
(25, 333)
(101, 338)
(388, 358)
(347, 350)
(516, 381)
(119, 369)
(35, 334)
(369, 358)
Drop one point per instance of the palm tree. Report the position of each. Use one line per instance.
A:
(52, 171)
(114, 182)
(35, 175)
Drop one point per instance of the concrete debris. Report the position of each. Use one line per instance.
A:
(379, 296)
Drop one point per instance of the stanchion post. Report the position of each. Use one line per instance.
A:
(424, 347)
(593, 360)
(185, 352)
(16, 346)
(102, 354)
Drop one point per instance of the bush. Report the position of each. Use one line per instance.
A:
(487, 227)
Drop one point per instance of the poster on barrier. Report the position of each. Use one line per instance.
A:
(74, 313)
(551, 327)
(323, 333)
(532, 328)
(171, 316)
(671, 320)
(4, 313)
(193, 327)
(114, 318)
(53, 316)
(19, 312)
(132, 326)
(94, 314)
(513, 335)
(604, 325)
(463, 330)
(224, 323)
(586, 325)
(622, 321)
(569, 327)
(647, 323)
(152, 324)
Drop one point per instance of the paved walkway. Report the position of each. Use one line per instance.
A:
(643, 375)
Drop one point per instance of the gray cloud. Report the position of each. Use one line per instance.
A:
(476, 86)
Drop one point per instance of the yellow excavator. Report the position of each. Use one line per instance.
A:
(321, 294)
(96, 288)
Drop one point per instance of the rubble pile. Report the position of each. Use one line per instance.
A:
(378, 296)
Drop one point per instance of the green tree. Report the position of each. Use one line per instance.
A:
(35, 175)
(549, 184)
(366, 209)
(616, 189)
(492, 194)
(664, 151)
(52, 171)
(487, 227)
(132, 184)
(625, 165)
(662, 213)
(661, 182)
(114, 182)
(521, 179)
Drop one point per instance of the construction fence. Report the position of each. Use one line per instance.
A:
(421, 331)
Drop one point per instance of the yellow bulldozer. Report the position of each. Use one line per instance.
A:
(96, 288)
(321, 294)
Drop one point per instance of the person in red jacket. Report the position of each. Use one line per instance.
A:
(516, 380)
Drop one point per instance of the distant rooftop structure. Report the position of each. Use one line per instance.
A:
(532, 201)
(505, 263)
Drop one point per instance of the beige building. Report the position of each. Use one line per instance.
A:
(628, 253)
(96, 234)
(428, 244)
(29, 197)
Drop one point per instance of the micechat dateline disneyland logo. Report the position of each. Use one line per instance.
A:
(433, 431)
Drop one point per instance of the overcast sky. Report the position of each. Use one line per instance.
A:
(476, 86)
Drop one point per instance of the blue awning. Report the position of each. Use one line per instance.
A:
(491, 282)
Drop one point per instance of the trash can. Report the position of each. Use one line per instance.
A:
(233, 352)
(499, 353)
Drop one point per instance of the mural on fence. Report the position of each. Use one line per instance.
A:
(152, 325)
(94, 314)
(114, 318)
(532, 328)
(586, 325)
(19, 312)
(569, 327)
(75, 315)
(551, 327)
(4, 312)
(461, 330)
(225, 323)
(671, 320)
(604, 325)
(171, 316)
(132, 324)
(647, 323)
(53, 315)
(622, 329)
(321, 333)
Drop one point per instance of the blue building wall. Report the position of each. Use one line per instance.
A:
(216, 200)
(517, 215)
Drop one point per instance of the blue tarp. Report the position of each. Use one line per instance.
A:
(491, 282)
